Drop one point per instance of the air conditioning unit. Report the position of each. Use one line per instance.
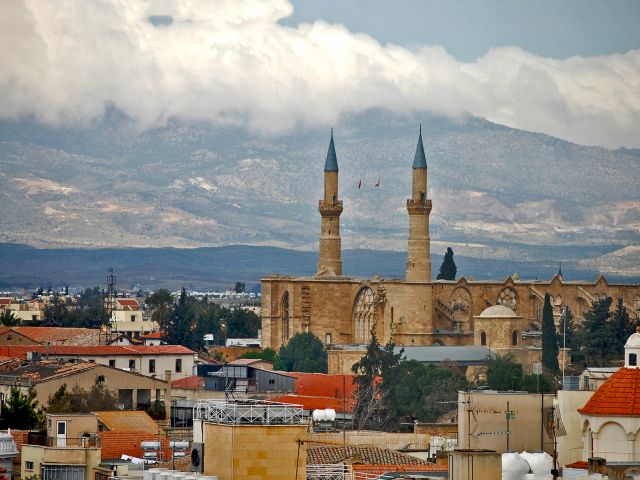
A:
(197, 457)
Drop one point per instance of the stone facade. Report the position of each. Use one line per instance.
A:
(419, 311)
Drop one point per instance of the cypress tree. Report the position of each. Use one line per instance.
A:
(448, 268)
(549, 337)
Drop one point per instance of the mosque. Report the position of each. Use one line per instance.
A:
(341, 310)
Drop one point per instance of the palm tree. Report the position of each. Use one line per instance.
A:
(8, 319)
(161, 303)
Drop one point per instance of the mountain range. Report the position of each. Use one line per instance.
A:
(498, 193)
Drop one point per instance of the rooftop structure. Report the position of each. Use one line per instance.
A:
(248, 412)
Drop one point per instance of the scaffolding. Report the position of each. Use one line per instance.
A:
(248, 412)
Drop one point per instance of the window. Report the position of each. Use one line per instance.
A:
(112, 363)
(62, 472)
(514, 338)
(272, 381)
(483, 338)
(133, 318)
(28, 465)
(178, 365)
(92, 360)
(132, 364)
(152, 366)
(100, 379)
(34, 317)
(328, 339)
(633, 360)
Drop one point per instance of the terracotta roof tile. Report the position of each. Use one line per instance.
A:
(5, 301)
(61, 335)
(362, 469)
(191, 383)
(21, 351)
(152, 336)
(128, 302)
(618, 395)
(329, 454)
(128, 421)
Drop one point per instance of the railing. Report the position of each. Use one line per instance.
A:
(248, 412)
(331, 471)
(91, 441)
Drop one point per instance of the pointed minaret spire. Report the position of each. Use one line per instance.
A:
(560, 271)
(331, 163)
(420, 159)
(419, 207)
(330, 208)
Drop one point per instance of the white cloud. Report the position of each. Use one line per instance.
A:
(231, 61)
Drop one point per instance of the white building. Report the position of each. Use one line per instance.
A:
(611, 417)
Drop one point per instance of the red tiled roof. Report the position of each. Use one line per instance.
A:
(192, 383)
(152, 336)
(71, 336)
(5, 301)
(618, 395)
(20, 351)
(580, 464)
(323, 385)
(320, 391)
(128, 302)
(319, 454)
(381, 469)
(318, 403)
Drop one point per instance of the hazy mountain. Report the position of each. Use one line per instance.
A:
(496, 191)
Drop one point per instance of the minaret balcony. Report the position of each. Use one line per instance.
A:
(419, 207)
(330, 208)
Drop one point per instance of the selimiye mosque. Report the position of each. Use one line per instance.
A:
(503, 315)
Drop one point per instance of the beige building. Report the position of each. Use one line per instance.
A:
(126, 318)
(69, 451)
(254, 440)
(31, 310)
(483, 424)
(474, 465)
(341, 309)
(133, 390)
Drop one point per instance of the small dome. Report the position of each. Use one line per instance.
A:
(633, 341)
(498, 311)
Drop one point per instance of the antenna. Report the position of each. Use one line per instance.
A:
(110, 298)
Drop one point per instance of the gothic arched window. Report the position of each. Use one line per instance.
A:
(284, 319)
(363, 315)
(483, 338)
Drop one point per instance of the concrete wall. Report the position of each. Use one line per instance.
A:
(243, 452)
(77, 424)
(570, 448)
(474, 465)
(37, 455)
(487, 419)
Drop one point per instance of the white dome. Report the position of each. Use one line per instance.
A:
(498, 311)
(633, 341)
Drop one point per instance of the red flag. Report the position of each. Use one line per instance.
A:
(377, 183)
(359, 184)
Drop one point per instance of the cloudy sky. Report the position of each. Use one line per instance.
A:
(570, 69)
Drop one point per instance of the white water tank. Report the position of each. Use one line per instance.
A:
(330, 415)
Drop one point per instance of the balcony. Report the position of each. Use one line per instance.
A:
(85, 441)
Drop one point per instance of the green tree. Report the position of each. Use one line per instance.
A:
(179, 329)
(620, 327)
(374, 371)
(21, 411)
(9, 319)
(160, 303)
(239, 287)
(55, 311)
(304, 352)
(267, 354)
(448, 268)
(549, 337)
(504, 373)
(595, 334)
(97, 398)
(423, 392)
(242, 324)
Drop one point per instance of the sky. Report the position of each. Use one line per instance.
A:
(570, 69)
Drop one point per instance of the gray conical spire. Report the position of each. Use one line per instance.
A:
(560, 270)
(331, 164)
(420, 160)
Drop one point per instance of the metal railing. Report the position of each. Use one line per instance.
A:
(331, 471)
(91, 441)
(248, 412)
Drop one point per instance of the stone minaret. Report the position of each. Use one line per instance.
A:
(330, 256)
(419, 207)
